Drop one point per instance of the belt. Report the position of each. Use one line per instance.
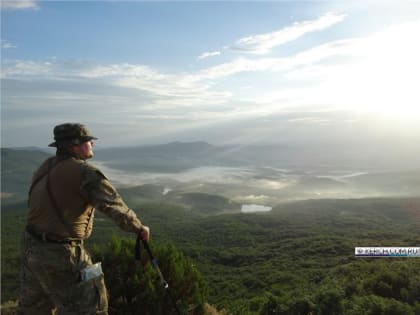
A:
(47, 238)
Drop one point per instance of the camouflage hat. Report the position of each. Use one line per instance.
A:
(70, 133)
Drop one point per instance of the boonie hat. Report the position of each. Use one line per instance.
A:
(71, 133)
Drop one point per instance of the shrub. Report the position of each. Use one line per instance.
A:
(134, 286)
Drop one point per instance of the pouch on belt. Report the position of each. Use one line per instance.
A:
(91, 272)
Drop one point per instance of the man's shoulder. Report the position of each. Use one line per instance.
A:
(47, 164)
(91, 171)
(94, 182)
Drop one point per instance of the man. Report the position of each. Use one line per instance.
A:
(64, 194)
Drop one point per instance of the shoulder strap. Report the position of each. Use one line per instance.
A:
(53, 200)
(42, 175)
(57, 211)
(36, 180)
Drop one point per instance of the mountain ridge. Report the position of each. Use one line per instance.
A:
(264, 164)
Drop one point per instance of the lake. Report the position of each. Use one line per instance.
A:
(250, 208)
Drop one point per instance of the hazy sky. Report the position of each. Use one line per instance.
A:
(224, 72)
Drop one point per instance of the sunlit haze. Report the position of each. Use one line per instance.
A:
(223, 72)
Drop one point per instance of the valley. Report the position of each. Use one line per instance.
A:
(263, 237)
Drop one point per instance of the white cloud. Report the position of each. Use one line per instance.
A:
(370, 72)
(208, 54)
(186, 84)
(18, 4)
(350, 47)
(25, 68)
(7, 45)
(263, 43)
(376, 73)
(177, 89)
(165, 90)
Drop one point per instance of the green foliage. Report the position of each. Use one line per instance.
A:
(375, 305)
(12, 225)
(135, 285)
(297, 259)
(329, 301)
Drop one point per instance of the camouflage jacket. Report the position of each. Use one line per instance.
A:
(64, 195)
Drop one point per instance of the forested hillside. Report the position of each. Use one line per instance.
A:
(297, 259)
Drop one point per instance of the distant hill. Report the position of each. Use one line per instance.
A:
(17, 168)
(179, 156)
(302, 175)
(207, 203)
(147, 191)
(171, 157)
(197, 202)
(390, 181)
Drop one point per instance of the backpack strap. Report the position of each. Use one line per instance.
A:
(53, 201)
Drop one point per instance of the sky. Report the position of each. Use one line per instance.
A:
(145, 72)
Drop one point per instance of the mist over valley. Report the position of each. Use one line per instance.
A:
(255, 186)
(258, 174)
(263, 175)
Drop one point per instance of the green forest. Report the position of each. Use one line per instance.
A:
(296, 259)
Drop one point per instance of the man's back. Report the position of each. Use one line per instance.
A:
(56, 203)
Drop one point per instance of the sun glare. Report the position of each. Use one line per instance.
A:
(384, 80)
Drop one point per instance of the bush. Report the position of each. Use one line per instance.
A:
(135, 286)
(287, 305)
(376, 305)
(329, 301)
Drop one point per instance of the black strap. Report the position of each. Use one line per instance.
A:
(53, 201)
(36, 181)
(42, 175)
(46, 238)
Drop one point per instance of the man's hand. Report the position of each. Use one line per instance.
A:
(145, 233)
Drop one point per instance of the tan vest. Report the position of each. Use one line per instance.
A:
(65, 180)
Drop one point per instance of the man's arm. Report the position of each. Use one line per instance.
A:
(99, 192)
